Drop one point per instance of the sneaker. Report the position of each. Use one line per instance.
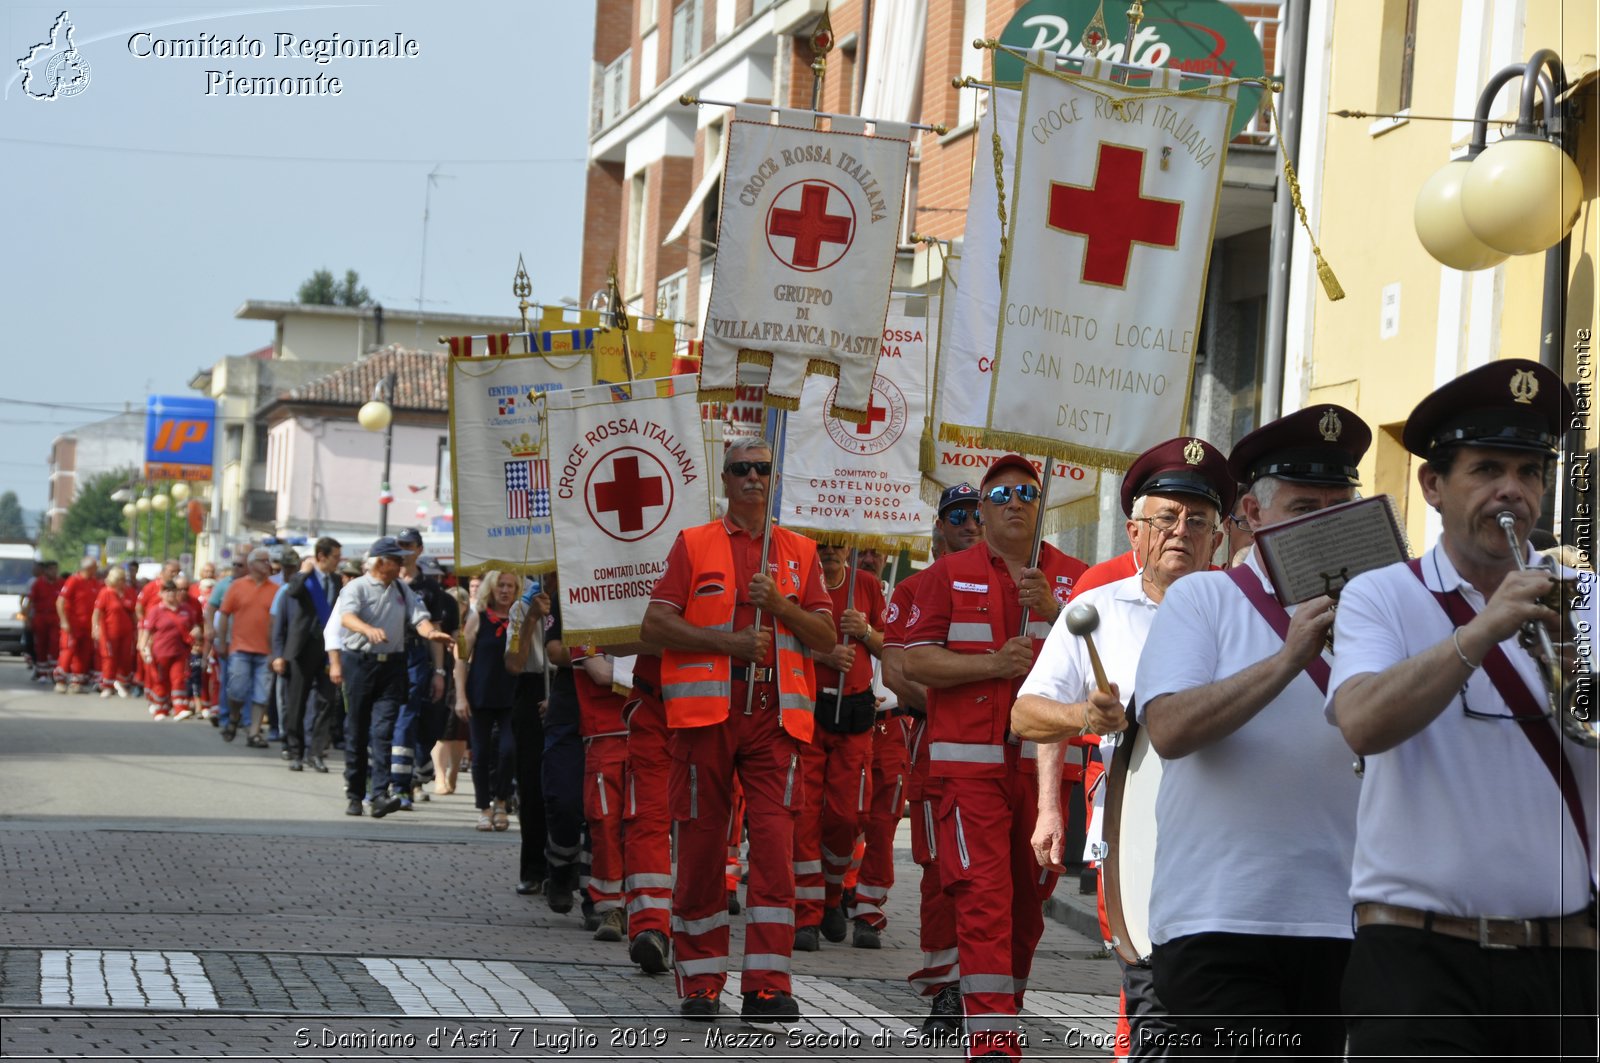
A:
(945, 1015)
(122, 689)
(405, 802)
(833, 924)
(865, 936)
(354, 807)
(162, 716)
(733, 902)
(591, 918)
(806, 939)
(183, 714)
(769, 1005)
(700, 1006)
(649, 951)
(558, 896)
(61, 688)
(74, 688)
(613, 926)
(105, 692)
(382, 806)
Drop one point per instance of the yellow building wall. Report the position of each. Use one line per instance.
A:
(1372, 170)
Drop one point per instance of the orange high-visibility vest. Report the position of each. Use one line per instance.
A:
(696, 686)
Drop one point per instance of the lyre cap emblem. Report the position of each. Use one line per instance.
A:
(1524, 386)
(1194, 453)
(1330, 426)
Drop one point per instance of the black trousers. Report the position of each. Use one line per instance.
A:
(1414, 993)
(307, 679)
(374, 690)
(1238, 995)
(528, 730)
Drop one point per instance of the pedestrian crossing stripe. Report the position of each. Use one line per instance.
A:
(98, 978)
(465, 987)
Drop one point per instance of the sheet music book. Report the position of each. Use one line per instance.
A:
(1320, 552)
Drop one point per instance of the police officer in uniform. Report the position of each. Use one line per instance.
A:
(1475, 848)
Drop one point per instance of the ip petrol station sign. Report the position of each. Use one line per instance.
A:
(1198, 36)
(179, 437)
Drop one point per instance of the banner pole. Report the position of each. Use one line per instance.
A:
(1038, 528)
(849, 603)
(780, 423)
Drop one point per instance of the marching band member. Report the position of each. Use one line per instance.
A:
(956, 527)
(1255, 815)
(702, 612)
(1172, 496)
(969, 648)
(1474, 904)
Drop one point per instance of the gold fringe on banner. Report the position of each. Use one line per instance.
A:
(919, 546)
(1091, 457)
(1072, 515)
(521, 568)
(600, 636)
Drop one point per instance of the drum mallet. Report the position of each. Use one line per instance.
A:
(1082, 619)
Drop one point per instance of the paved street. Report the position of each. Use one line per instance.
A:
(164, 894)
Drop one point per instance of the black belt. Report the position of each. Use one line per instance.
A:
(1572, 931)
(380, 658)
(745, 674)
(644, 686)
(915, 714)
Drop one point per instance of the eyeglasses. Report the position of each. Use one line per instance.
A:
(742, 468)
(1473, 714)
(958, 516)
(1166, 524)
(1240, 522)
(1000, 495)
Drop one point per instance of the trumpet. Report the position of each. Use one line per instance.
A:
(1577, 720)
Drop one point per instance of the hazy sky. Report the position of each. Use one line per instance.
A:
(141, 211)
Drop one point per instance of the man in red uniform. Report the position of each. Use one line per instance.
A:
(112, 626)
(835, 762)
(605, 752)
(75, 611)
(957, 527)
(739, 698)
(646, 823)
(972, 645)
(42, 595)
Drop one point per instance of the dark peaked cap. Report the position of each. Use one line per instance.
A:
(1320, 444)
(1514, 404)
(1184, 466)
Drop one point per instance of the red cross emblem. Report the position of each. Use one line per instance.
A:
(630, 494)
(887, 414)
(875, 413)
(810, 225)
(1113, 214)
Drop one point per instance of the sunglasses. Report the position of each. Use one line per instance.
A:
(742, 468)
(1001, 495)
(958, 516)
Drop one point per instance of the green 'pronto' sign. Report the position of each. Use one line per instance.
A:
(1198, 36)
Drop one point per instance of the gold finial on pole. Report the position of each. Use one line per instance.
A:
(821, 45)
(1095, 34)
(522, 287)
(619, 316)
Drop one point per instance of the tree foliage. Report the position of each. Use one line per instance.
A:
(12, 524)
(322, 289)
(93, 518)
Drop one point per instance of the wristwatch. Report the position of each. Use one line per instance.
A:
(439, 671)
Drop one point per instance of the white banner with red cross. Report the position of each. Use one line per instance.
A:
(858, 484)
(1112, 208)
(629, 471)
(810, 222)
(498, 465)
(952, 451)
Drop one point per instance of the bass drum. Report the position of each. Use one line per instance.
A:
(1128, 870)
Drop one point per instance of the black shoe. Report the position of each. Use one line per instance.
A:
(256, 742)
(769, 1005)
(286, 755)
(529, 887)
(318, 764)
(354, 807)
(297, 765)
(945, 1016)
(834, 924)
(649, 951)
(865, 936)
(382, 806)
(591, 921)
(806, 940)
(559, 897)
(230, 731)
(1088, 882)
(733, 902)
(700, 1006)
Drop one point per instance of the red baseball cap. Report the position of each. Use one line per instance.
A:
(1008, 461)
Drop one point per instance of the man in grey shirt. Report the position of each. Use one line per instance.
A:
(366, 643)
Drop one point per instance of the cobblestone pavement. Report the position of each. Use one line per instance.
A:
(167, 895)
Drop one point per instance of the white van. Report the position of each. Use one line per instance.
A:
(16, 569)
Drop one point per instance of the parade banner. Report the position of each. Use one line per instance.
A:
(953, 450)
(1113, 204)
(630, 471)
(499, 470)
(810, 222)
(652, 349)
(858, 484)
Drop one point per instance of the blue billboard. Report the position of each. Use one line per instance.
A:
(179, 437)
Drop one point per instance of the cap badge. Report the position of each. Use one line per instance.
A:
(1524, 386)
(1330, 426)
(1194, 453)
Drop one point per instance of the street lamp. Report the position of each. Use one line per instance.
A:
(378, 416)
(1517, 196)
(163, 505)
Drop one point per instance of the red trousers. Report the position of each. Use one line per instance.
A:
(646, 824)
(941, 965)
(888, 769)
(705, 760)
(733, 867)
(167, 685)
(998, 890)
(76, 663)
(605, 760)
(116, 657)
(46, 644)
(837, 795)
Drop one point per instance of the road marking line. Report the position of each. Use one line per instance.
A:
(123, 979)
(465, 987)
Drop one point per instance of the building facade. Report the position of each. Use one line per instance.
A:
(79, 455)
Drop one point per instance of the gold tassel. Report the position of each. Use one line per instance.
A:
(1330, 283)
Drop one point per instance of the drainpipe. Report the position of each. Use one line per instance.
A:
(1296, 20)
